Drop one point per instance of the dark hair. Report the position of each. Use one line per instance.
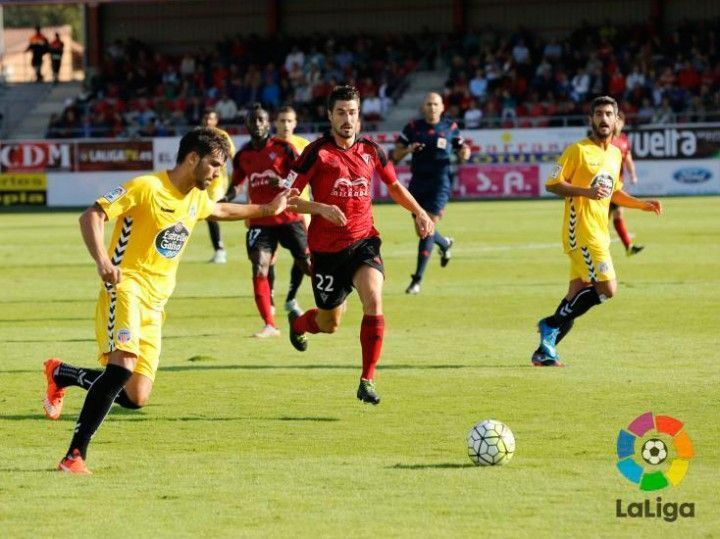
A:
(204, 141)
(342, 93)
(285, 109)
(208, 111)
(603, 100)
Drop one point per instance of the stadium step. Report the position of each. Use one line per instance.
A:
(408, 107)
(27, 107)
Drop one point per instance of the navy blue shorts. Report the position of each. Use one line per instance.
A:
(432, 201)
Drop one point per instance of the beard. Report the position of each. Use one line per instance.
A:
(597, 134)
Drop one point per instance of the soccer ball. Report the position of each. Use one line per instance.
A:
(654, 451)
(490, 443)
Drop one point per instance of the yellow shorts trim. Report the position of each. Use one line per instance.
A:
(591, 264)
(125, 321)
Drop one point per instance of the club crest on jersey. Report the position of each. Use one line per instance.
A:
(124, 336)
(366, 158)
(170, 241)
(603, 179)
(346, 188)
(114, 194)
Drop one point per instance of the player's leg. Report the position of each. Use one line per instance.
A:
(589, 265)
(98, 401)
(331, 282)
(271, 280)
(220, 256)
(261, 243)
(539, 357)
(293, 237)
(444, 243)
(618, 219)
(61, 375)
(368, 281)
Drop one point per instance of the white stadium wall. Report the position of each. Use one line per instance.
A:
(506, 163)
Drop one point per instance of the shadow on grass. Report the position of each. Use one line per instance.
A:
(121, 414)
(165, 337)
(200, 363)
(441, 466)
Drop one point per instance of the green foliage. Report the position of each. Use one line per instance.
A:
(48, 15)
(250, 438)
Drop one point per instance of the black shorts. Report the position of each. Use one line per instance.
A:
(292, 236)
(333, 273)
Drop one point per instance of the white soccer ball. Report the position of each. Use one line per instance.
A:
(490, 443)
(654, 451)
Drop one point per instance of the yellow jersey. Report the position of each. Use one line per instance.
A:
(585, 164)
(154, 222)
(219, 186)
(300, 144)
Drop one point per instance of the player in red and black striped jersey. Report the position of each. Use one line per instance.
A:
(621, 141)
(344, 244)
(264, 162)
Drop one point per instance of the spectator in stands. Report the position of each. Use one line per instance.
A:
(479, 85)
(473, 116)
(226, 109)
(56, 48)
(664, 115)
(371, 109)
(646, 112)
(580, 85)
(295, 57)
(38, 46)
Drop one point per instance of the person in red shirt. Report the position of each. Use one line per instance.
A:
(263, 162)
(38, 46)
(620, 140)
(344, 244)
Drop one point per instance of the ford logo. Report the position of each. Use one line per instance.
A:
(692, 175)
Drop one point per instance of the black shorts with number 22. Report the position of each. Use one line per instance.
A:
(333, 272)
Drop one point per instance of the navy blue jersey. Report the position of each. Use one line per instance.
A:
(431, 165)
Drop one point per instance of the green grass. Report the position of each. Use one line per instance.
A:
(250, 438)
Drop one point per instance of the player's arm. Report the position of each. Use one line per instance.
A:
(225, 211)
(565, 189)
(630, 165)
(621, 198)
(327, 211)
(462, 150)
(402, 197)
(92, 227)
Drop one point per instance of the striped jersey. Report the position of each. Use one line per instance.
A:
(154, 222)
(585, 164)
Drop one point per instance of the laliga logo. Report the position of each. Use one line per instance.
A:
(654, 453)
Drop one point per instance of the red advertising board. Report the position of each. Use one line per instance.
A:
(481, 181)
(37, 156)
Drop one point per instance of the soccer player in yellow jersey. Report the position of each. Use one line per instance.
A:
(216, 191)
(285, 125)
(155, 214)
(587, 175)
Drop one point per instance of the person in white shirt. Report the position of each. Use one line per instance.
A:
(226, 109)
(295, 56)
(472, 116)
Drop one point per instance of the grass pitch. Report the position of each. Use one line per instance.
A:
(251, 438)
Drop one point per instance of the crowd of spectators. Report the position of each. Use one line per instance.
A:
(139, 91)
(496, 79)
(520, 79)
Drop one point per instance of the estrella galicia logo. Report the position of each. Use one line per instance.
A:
(604, 179)
(654, 451)
(692, 175)
(170, 241)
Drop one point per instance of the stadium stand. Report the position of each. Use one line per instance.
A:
(522, 80)
(140, 91)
